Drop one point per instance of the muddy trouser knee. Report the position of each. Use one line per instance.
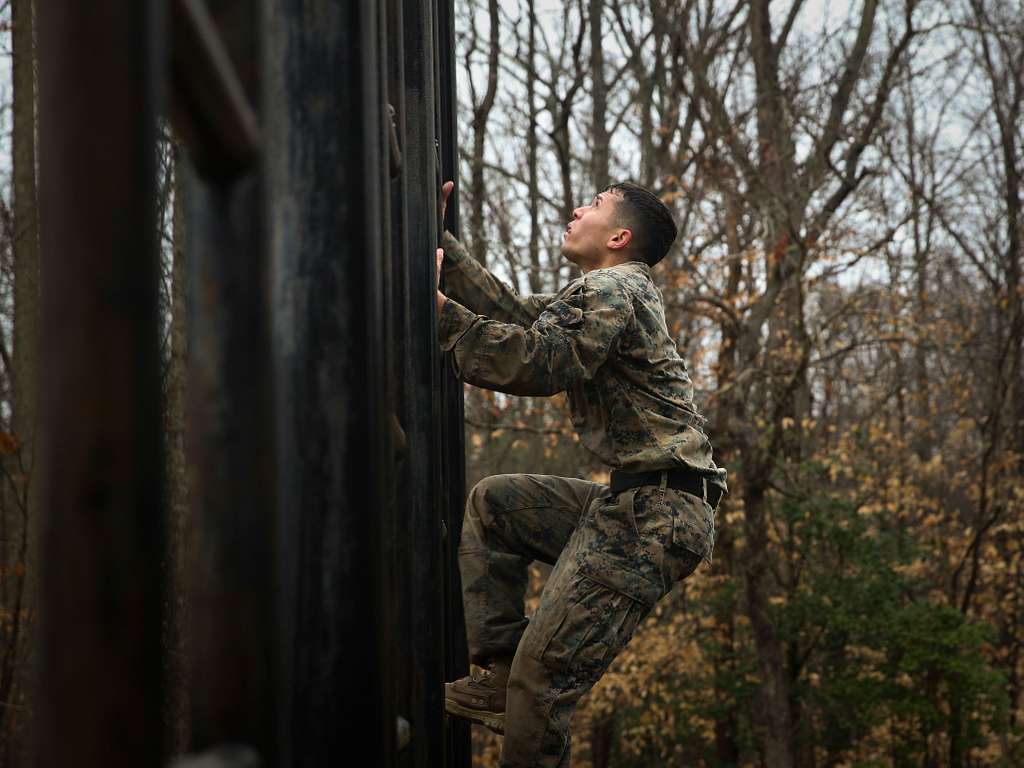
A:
(510, 521)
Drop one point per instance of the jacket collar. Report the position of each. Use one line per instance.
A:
(629, 266)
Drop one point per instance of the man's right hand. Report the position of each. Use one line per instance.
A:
(446, 190)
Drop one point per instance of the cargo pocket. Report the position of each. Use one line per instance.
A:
(558, 632)
(680, 564)
(692, 537)
(591, 630)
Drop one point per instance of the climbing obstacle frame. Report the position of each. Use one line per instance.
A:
(324, 427)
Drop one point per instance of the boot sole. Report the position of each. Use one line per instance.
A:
(493, 720)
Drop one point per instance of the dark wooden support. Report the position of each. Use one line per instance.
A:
(391, 443)
(452, 416)
(324, 138)
(409, 503)
(324, 427)
(98, 696)
(424, 589)
(212, 108)
(233, 561)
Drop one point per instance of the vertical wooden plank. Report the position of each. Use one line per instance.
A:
(98, 694)
(232, 562)
(411, 498)
(323, 121)
(425, 588)
(456, 655)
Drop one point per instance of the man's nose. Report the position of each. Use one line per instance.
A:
(577, 213)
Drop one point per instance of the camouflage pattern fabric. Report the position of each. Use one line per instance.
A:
(614, 557)
(602, 340)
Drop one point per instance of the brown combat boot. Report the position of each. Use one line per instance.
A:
(480, 697)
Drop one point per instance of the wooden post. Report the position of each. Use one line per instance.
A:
(98, 691)
(325, 165)
(232, 562)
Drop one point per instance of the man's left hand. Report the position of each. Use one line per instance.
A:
(441, 298)
(446, 191)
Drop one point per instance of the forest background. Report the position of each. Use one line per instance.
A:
(846, 288)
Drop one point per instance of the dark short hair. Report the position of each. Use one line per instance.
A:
(647, 217)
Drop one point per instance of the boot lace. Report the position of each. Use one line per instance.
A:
(481, 675)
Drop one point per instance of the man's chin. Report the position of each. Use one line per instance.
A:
(568, 255)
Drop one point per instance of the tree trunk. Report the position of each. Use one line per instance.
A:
(26, 232)
(531, 154)
(645, 92)
(774, 701)
(177, 481)
(922, 445)
(600, 97)
(481, 113)
(601, 742)
(774, 158)
(25, 380)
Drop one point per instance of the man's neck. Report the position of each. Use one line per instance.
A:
(611, 260)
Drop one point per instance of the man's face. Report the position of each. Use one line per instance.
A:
(587, 236)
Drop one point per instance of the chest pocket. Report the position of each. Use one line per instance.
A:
(563, 314)
(566, 312)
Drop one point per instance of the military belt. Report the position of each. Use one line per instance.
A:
(680, 479)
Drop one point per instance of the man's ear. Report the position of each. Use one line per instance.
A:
(620, 239)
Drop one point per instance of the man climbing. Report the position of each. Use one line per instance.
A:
(616, 549)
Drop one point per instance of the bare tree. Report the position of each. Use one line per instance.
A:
(599, 96)
(794, 198)
(481, 111)
(16, 676)
(177, 474)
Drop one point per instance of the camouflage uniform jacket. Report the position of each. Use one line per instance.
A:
(602, 339)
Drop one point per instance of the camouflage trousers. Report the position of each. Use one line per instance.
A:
(614, 556)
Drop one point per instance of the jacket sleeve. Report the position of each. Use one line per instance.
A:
(466, 281)
(569, 341)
